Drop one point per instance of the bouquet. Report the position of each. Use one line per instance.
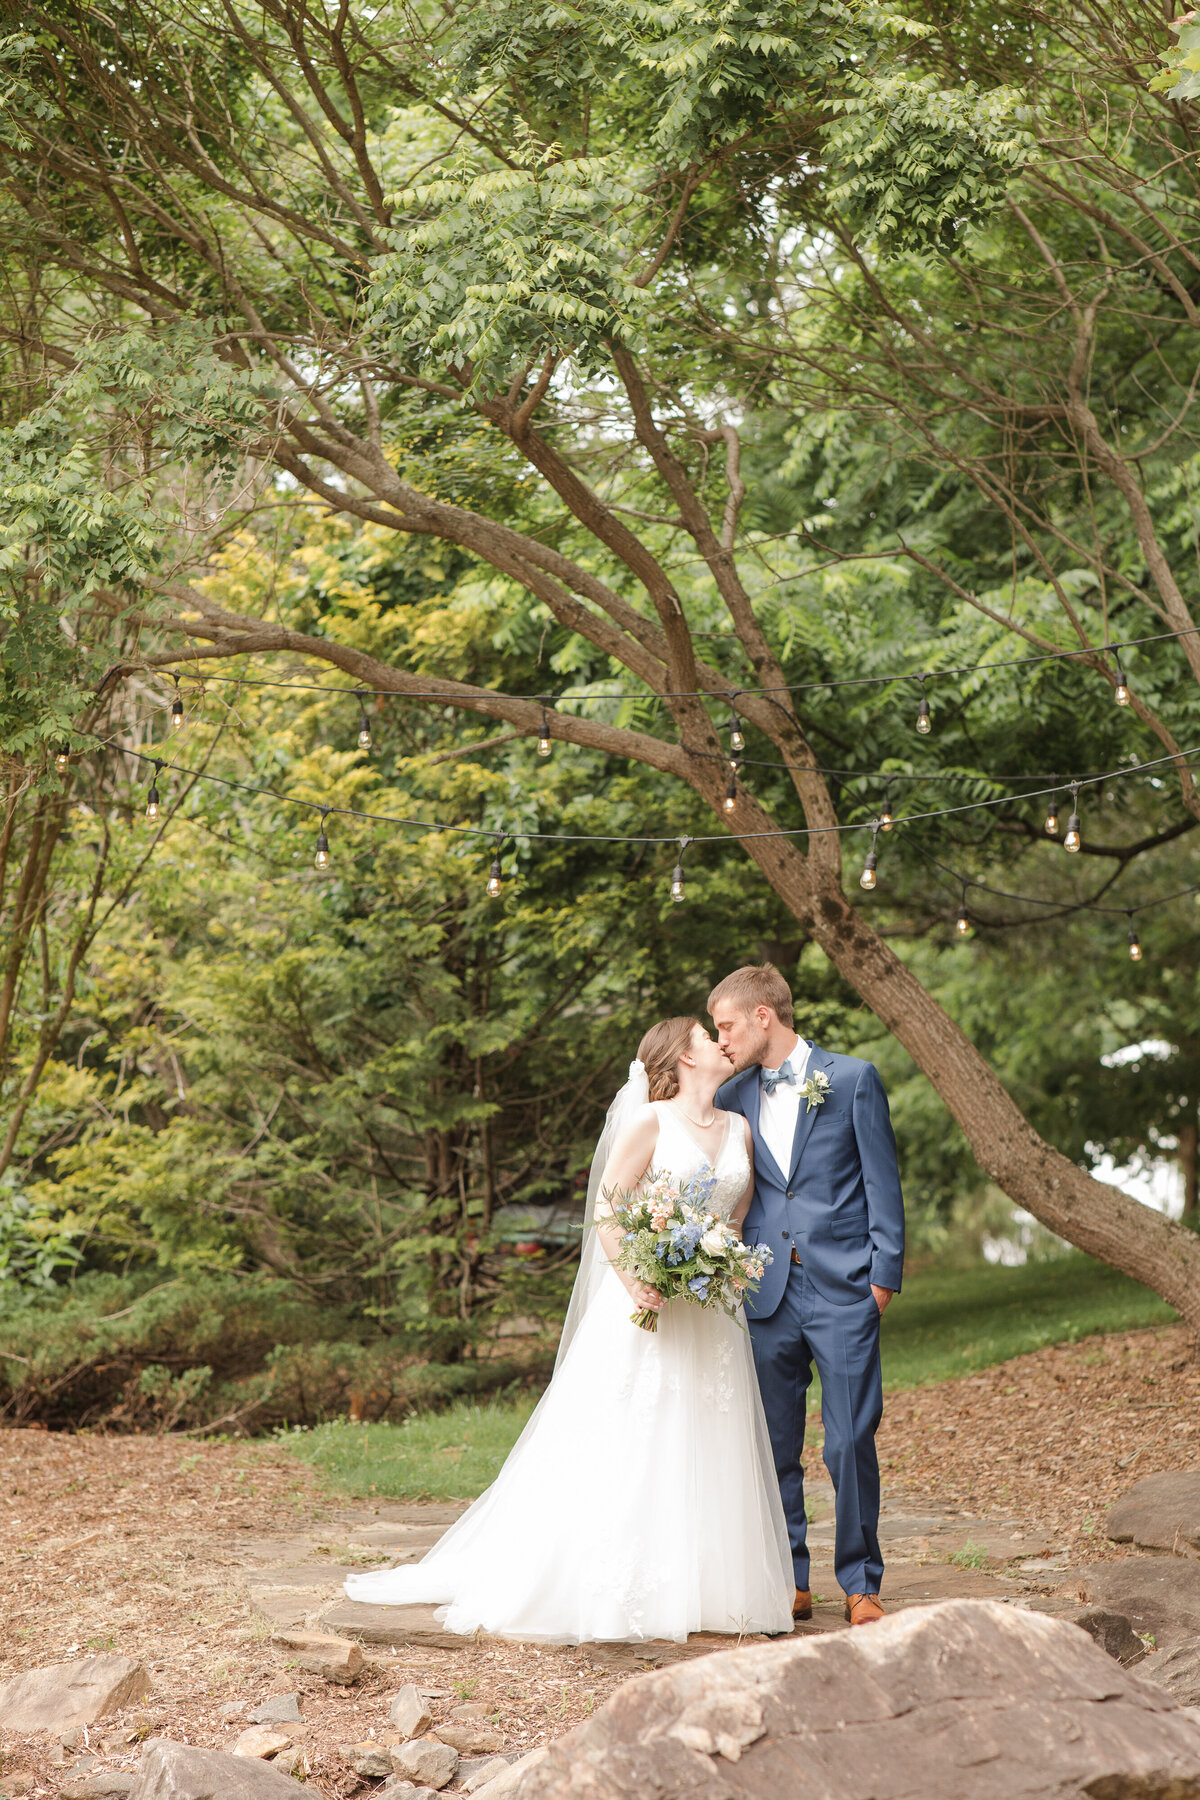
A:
(674, 1243)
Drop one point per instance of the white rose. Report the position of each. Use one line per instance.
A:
(713, 1241)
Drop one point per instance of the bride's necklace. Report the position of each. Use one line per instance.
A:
(700, 1124)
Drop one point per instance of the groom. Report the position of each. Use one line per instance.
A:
(827, 1201)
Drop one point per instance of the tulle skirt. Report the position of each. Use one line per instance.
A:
(639, 1502)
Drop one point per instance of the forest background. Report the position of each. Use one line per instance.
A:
(613, 355)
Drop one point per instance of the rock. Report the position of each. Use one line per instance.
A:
(495, 1765)
(1159, 1596)
(409, 1713)
(1178, 1671)
(962, 1698)
(278, 1709)
(261, 1740)
(399, 1789)
(469, 1738)
(473, 1710)
(1111, 1630)
(111, 1782)
(71, 1693)
(291, 1761)
(368, 1759)
(426, 1761)
(19, 1781)
(1160, 1513)
(170, 1771)
(334, 1658)
(469, 1766)
(504, 1785)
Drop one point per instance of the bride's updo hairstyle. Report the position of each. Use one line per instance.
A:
(660, 1051)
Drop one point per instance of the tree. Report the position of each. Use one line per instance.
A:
(465, 277)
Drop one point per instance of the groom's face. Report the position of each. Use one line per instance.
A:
(743, 1034)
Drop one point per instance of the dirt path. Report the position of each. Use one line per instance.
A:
(182, 1554)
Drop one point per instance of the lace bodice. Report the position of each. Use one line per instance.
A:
(679, 1154)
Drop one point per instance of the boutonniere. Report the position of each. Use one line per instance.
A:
(817, 1089)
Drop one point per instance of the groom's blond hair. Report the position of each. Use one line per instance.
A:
(758, 984)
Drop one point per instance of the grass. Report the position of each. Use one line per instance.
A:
(946, 1323)
(450, 1455)
(954, 1322)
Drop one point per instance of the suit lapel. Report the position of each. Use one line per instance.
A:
(807, 1115)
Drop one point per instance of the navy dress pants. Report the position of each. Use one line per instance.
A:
(843, 1342)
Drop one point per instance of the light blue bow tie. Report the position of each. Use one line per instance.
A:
(771, 1078)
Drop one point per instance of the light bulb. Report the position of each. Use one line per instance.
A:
(495, 881)
(321, 859)
(1074, 837)
(677, 892)
(1121, 695)
(176, 713)
(885, 818)
(962, 922)
(924, 722)
(364, 736)
(152, 803)
(62, 761)
(544, 745)
(868, 877)
(736, 739)
(1052, 819)
(730, 800)
(1135, 949)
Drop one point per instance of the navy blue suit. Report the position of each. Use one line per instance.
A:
(839, 1205)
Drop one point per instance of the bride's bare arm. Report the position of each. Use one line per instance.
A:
(743, 1206)
(626, 1166)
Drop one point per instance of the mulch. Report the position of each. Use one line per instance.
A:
(128, 1544)
(1051, 1438)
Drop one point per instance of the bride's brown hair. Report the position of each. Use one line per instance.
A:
(660, 1051)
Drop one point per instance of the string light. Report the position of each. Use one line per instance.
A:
(544, 745)
(321, 859)
(495, 882)
(1074, 837)
(177, 708)
(868, 878)
(962, 918)
(62, 761)
(730, 800)
(924, 722)
(1052, 817)
(153, 802)
(885, 818)
(364, 728)
(677, 890)
(736, 739)
(1135, 949)
(1121, 695)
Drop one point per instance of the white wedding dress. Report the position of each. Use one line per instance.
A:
(640, 1501)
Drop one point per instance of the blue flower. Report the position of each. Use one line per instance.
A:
(699, 1286)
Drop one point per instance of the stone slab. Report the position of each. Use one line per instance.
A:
(65, 1695)
(393, 1625)
(1161, 1512)
(1159, 1595)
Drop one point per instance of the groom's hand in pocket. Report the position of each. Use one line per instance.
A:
(882, 1296)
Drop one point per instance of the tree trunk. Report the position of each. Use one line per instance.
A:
(1189, 1162)
(1091, 1214)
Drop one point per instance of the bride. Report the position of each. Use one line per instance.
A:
(640, 1501)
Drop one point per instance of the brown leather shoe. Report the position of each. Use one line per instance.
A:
(863, 1609)
(802, 1604)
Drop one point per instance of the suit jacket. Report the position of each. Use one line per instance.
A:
(839, 1202)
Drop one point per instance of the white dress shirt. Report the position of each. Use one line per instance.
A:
(779, 1111)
